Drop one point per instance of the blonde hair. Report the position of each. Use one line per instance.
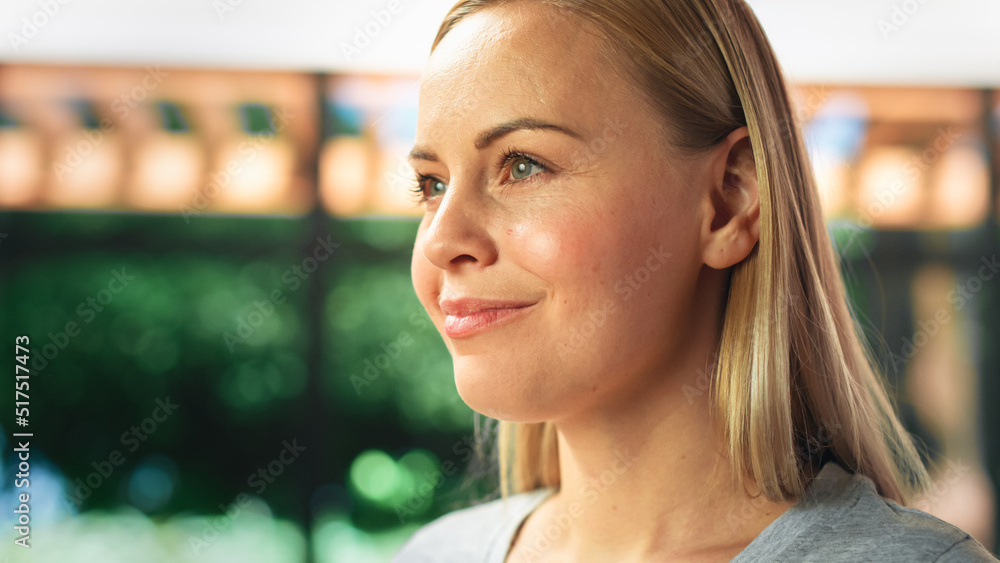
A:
(792, 386)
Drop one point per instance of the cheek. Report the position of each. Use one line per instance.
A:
(558, 250)
(537, 244)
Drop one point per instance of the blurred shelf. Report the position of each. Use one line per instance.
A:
(196, 142)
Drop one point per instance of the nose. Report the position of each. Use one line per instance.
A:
(458, 233)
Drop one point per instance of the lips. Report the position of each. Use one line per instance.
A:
(467, 317)
(468, 306)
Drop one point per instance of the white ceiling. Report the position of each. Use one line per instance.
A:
(943, 42)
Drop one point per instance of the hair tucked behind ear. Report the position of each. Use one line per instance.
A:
(793, 385)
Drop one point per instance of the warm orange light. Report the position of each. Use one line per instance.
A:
(168, 168)
(960, 188)
(890, 188)
(345, 175)
(20, 167)
(253, 174)
(88, 169)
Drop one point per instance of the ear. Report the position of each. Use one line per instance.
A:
(731, 222)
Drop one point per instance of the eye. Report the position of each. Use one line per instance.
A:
(427, 187)
(523, 167)
(434, 187)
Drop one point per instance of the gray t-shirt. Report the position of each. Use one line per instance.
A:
(840, 518)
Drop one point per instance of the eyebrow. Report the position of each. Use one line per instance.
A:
(486, 138)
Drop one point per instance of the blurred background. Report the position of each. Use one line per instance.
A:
(205, 231)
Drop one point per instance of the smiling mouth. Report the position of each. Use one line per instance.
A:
(467, 325)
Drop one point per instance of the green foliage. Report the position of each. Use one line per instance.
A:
(116, 348)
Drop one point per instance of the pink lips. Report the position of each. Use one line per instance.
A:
(466, 317)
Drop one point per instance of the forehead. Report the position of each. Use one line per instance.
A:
(520, 59)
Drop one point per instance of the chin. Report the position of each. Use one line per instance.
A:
(499, 391)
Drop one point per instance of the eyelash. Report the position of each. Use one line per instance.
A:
(509, 155)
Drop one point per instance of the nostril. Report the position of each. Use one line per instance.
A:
(464, 258)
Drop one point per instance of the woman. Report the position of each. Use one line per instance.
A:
(625, 256)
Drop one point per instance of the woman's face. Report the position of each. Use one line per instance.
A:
(550, 192)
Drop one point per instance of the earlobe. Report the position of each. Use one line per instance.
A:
(732, 225)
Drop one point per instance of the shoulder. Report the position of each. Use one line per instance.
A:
(880, 527)
(471, 534)
(842, 518)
